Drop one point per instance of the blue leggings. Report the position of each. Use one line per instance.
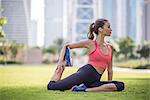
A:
(87, 75)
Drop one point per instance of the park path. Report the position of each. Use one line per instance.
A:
(116, 69)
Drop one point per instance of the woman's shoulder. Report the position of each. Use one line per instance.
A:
(91, 42)
(88, 41)
(110, 45)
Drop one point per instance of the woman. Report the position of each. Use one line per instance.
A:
(100, 58)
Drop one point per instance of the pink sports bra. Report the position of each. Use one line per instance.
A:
(98, 59)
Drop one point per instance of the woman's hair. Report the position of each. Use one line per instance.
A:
(95, 26)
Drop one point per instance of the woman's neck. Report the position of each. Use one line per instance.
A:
(100, 39)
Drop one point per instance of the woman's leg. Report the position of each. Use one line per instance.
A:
(75, 79)
(66, 83)
(106, 86)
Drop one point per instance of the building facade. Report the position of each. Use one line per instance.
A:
(146, 20)
(70, 19)
(17, 13)
(53, 21)
(125, 16)
(20, 27)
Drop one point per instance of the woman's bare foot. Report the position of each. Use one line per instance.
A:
(58, 73)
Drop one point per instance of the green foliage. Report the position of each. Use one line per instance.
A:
(50, 49)
(144, 51)
(59, 43)
(46, 61)
(9, 49)
(2, 33)
(14, 47)
(126, 46)
(3, 21)
(55, 48)
(10, 62)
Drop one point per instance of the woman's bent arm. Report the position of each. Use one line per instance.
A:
(81, 44)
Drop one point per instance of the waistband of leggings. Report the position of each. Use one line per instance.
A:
(94, 69)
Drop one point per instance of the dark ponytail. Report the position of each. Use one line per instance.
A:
(90, 34)
(94, 28)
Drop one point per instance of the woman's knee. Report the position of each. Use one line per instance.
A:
(120, 85)
(50, 85)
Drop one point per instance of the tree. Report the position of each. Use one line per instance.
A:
(9, 49)
(13, 48)
(50, 49)
(3, 21)
(55, 48)
(58, 43)
(144, 51)
(126, 46)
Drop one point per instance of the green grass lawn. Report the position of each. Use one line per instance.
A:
(26, 82)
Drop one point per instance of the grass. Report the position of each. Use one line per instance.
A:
(28, 82)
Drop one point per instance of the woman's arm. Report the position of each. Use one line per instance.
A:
(81, 44)
(110, 73)
(110, 70)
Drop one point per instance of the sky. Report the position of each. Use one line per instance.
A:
(37, 14)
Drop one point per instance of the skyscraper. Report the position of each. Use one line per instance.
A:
(125, 16)
(146, 20)
(53, 21)
(79, 15)
(70, 19)
(18, 15)
(0, 8)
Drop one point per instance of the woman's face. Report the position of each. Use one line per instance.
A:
(107, 29)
